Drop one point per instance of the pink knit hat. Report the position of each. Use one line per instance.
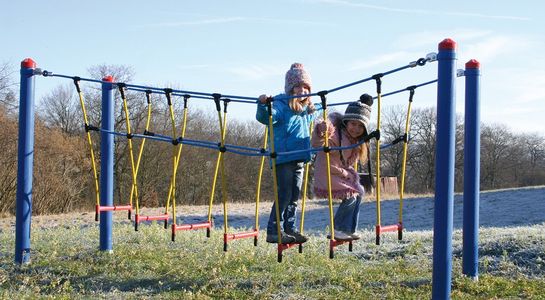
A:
(295, 76)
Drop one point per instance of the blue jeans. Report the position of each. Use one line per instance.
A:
(347, 215)
(289, 177)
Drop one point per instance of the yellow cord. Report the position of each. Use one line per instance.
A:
(377, 182)
(403, 166)
(302, 227)
(140, 153)
(134, 186)
(258, 192)
(90, 142)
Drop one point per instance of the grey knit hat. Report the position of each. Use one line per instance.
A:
(359, 111)
(295, 76)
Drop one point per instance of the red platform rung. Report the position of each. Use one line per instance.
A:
(139, 218)
(192, 226)
(282, 247)
(242, 235)
(114, 208)
(339, 242)
(389, 228)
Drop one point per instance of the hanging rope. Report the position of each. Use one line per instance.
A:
(378, 81)
(134, 186)
(404, 164)
(88, 128)
(307, 171)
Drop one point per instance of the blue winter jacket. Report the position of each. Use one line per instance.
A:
(291, 129)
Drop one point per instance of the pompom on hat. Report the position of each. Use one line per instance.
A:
(297, 75)
(359, 111)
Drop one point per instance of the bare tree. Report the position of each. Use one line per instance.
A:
(61, 109)
(8, 98)
(421, 172)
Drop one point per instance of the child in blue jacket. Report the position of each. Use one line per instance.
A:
(291, 121)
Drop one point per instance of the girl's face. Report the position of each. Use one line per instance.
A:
(355, 128)
(300, 89)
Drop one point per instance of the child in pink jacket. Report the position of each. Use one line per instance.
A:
(343, 130)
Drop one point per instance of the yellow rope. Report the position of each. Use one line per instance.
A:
(258, 192)
(178, 156)
(90, 142)
(141, 150)
(218, 163)
(275, 181)
(172, 188)
(134, 186)
(328, 164)
(403, 166)
(307, 171)
(378, 183)
(223, 175)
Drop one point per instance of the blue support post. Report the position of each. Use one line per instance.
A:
(107, 164)
(472, 158)
(444, 171)
(25, 163)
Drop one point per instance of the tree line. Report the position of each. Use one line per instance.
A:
(63, 179)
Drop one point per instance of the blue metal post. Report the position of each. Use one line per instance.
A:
(25, 163)
(107, 164)
(472, 146)
(444, 171)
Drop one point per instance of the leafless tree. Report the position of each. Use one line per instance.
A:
(61, 109)
(8, 86)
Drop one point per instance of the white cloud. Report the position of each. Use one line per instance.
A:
(489, 48)
(224, 20)
(418, 11)
(430, 39)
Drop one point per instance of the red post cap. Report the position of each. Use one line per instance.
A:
(108, 78)
(473, 64)
(28, 63)
(447, 44)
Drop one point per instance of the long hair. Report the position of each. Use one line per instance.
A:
(298, 106)
(363, 149)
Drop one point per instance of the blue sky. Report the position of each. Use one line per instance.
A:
(243, 47)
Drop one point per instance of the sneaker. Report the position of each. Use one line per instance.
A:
(341, 236)
(355, 236)
(286, 238)
(299, 238)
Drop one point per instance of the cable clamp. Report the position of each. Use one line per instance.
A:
(460, 73)
(149, 133)
(46, 73)
(327, 149)
(430, 57)
(273, 155)
(90, 127)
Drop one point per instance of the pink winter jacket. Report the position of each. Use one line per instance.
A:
(344, 179)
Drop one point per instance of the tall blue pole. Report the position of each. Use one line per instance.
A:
(107, 164)
(25, 162)
(472, 158)
(444, 171)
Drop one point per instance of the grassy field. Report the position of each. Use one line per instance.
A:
(146, 264)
